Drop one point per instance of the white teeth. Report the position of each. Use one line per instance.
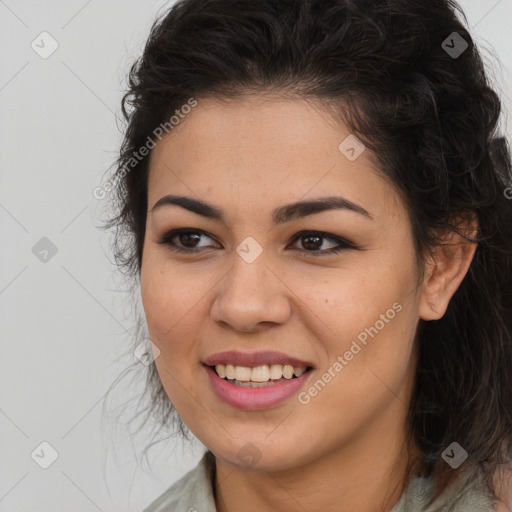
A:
(230, 371)
(221, 370)
(288, 371)
(243, 373)
(260, 373)
(276, 371)
(298, 371)
(263, 373)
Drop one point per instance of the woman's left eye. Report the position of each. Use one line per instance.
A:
(311, 241)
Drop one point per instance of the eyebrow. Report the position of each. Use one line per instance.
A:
(280, 215)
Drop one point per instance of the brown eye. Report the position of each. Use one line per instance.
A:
(184, 240)
(312, 241)
(187, 240)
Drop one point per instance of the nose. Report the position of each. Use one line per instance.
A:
(251, 296)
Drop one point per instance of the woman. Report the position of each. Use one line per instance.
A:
(313, 197)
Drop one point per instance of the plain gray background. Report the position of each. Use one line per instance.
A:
(64, 322)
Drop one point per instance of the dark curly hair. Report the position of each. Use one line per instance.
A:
(429, 117)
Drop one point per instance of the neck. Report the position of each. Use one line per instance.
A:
(367, 474)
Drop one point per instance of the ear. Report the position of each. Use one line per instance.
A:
(446, 266)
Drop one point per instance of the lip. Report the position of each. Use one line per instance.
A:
(253, 399)
(252, 359)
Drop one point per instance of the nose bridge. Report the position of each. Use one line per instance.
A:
(250, 293)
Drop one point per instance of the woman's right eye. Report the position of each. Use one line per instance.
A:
(187, 239)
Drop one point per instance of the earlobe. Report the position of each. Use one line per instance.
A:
(446, 267)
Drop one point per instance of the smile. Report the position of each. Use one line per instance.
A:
(256, 395)
(266, 373)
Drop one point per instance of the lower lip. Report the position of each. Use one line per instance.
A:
(255, 398)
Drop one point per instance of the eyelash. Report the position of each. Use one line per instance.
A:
(343, 244)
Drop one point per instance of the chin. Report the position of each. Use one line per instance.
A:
(261, 455)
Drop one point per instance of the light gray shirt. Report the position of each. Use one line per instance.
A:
(194, 493)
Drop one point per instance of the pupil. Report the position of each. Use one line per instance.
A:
(314, 245)
(184, 237)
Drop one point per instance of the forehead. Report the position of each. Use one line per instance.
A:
(269, 148)
(252, 122)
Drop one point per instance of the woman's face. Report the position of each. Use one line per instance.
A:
(251, 291)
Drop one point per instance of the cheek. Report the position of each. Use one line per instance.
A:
(352, 298)
(368, 367)
(172, 305)
(368, 314)
(176, 301)
(170, 301)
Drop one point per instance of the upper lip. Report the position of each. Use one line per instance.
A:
(252, 359)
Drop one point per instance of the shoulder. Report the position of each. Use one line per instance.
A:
(467, 494)
(191, 493)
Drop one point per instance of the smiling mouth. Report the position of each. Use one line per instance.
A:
(258, 376)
